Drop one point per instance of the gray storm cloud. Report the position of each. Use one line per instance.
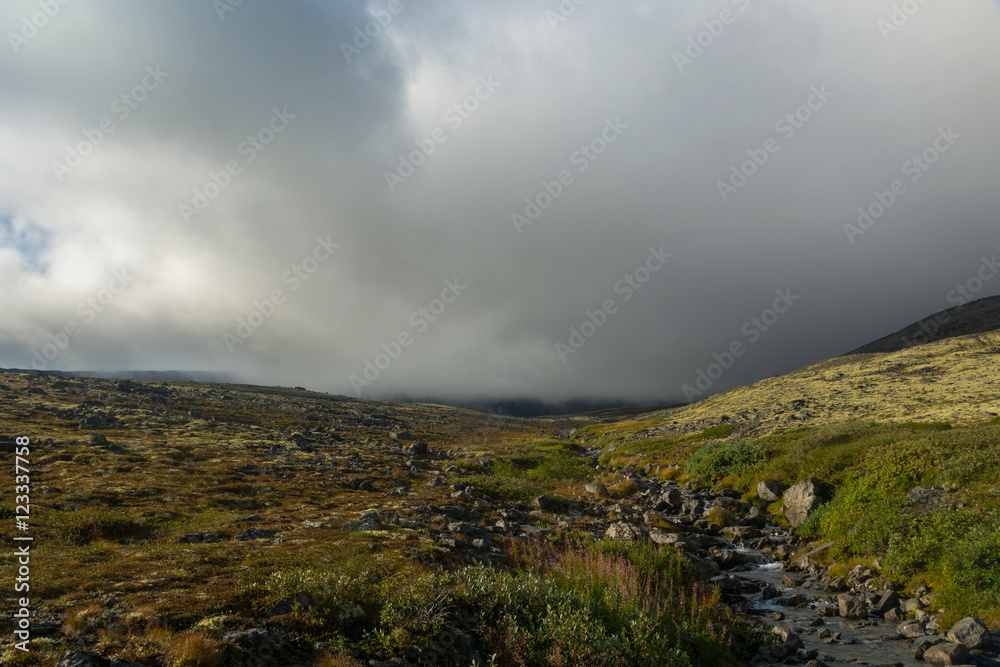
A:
(551, 200)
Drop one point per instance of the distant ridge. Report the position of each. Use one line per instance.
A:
(971, 318)
(165, 376)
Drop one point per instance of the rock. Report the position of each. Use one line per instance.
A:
(947, 654)
(923, 496)
(256, 641)
(852, 606)
(88, 659)
(970, 631)
(596, 489)
(367, 521)
(546, 503)
(621, 530)
(693, 508)
(727, 560)
(248, 534)
(922, 646)
(888, 601)
(98, 440)
(770, 490)
(791, 640)
(754, 518)
(418, 448)
(800, 500)
(673, 498)
(911, 629)
(400, 435)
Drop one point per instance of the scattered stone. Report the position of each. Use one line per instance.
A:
(947, 654)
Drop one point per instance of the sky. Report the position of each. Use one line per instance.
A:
(602, 199)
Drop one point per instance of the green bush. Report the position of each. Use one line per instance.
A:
(722, 459)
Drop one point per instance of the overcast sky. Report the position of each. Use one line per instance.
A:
(673, 168)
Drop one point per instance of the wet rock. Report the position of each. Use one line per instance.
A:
(852, 606)
(791, 641)
(888, 601)
(754, 518)
(911, 629)
(770, 490)
(970, 631)
(947, 654)
(800, 500)
(727, 560)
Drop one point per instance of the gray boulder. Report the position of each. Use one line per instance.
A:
(852, 606)
(947, 654)
(800, 500)
(970, 631)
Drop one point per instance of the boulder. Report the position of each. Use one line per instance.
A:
(791, 640)
(852, 606)
(890, 600)
(970, 631)
(673, 498)
(911, 629)
(770, 490)
(621, 530)
(546, 503)
(248, 534)
(947, 654)
(800, 500)
(596, 489)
